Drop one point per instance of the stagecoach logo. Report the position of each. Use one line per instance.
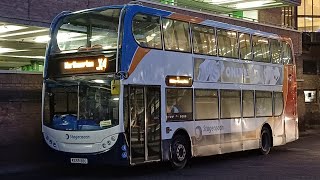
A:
(211, 129)
(76, 137)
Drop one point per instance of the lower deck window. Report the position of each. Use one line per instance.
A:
(206, 104)
(179, 104)
(230, 104)
(263, 103)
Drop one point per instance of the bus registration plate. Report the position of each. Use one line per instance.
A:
(79, 160)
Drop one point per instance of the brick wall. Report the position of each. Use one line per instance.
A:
(20, 108)
(270, 16)
(311, 82)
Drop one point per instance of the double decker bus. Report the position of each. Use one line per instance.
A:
(133, 84)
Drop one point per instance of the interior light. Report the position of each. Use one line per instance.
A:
(8, 28)
(252, 4)
(66, 36)
(5, 50)
(42, 39)
(224, 1)
(29, 57)
(100, 81)
(23, 33)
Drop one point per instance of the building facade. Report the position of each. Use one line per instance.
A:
(308, 21)
(24, 28)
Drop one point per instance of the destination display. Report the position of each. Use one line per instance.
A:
(82, 65)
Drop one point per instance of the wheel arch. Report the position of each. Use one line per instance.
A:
(267, 125)
(183, 132)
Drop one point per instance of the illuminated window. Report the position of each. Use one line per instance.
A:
(176, 35)
(146, 30)
(227, 43)
(316, 24)
(286, 53)
(245, 46)
(316, 7)
(275, 47)
(179, 104)
(261, 50)
(288, 16)
(308, 7)
(310, 96)
(309, 16)
(204, 41)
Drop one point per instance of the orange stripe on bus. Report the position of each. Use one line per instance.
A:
(140, 53)
(181, 17)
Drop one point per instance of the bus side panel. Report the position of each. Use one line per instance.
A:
(278, 131)
(206, 139)
(290, 100)
(250, 133)
(231, 135)
(171, 128)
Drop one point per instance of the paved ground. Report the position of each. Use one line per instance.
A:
(297, 160)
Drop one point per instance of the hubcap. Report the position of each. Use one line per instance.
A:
(181, 152)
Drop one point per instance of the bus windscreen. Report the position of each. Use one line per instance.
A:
(92, 30)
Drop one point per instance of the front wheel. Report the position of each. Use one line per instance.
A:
(180, 152)
(265, 140)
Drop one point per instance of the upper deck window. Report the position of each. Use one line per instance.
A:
(227, 43)
(286, 53)
(204, 41)
(176, 35)
(90, 30)
(261, 50)
(275, 48)
(146, 31)
(245, 46)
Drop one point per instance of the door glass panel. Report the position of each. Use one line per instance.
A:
(137, 123)
(153, 122)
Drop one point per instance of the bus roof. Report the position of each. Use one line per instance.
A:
(174, 15)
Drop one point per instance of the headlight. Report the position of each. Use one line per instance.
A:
(51, 142)
(108, 142)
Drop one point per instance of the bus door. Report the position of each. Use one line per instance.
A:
(145, 133)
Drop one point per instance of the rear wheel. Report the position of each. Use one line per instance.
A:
(265, 141)
(180, 152)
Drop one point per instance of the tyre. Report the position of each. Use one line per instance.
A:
(265, 141)
(180, 152)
